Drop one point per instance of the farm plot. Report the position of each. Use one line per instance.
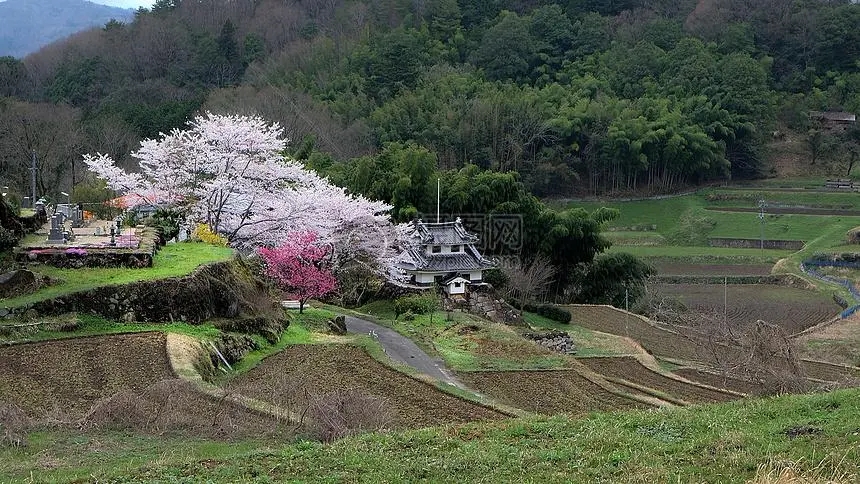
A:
(720, 381)
(791, 308)
(548, 392)
(313, 371)
(468, 347)
(654, 339)
(72, 374)
(628, 368)
(667, 268)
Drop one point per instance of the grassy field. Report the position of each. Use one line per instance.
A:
(171, 261)
(816, 435)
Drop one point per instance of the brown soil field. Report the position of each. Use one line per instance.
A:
(654, 339)
(829, 372)
(680, 269)
(72, 374)
(719, 381)
(791, 308)
(673, 345)
(316, 370)
(628, 368)
(548, 392)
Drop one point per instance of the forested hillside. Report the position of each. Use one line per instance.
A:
(579, 97)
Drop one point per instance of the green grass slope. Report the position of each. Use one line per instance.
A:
(172, 260)
(819, 434)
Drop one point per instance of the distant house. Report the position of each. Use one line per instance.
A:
(143, 205)
(444, 254)
(834, 120)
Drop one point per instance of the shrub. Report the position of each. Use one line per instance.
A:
(348, 412)
(14, 425)
(408, 316)
(553, 312)
(205, 234)
(549, 311)
(416, 304)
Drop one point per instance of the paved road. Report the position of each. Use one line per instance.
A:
(402, 349)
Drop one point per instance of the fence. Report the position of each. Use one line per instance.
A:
(808, 266)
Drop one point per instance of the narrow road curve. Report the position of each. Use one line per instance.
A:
(402, 350)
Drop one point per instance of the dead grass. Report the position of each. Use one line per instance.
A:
(348, 412)
(14, 425)
(178, 407)
(793, 472)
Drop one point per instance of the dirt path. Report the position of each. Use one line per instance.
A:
(403, 350)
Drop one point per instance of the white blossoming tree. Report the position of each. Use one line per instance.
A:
(230, 173)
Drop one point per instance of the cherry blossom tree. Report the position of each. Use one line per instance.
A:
(230, 173)
(300, 266)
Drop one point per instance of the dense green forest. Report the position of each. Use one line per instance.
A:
(579, 97)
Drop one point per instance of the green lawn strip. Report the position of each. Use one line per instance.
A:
(704, 254)
(707, 443)
(172, 260)
(58, 456)
(90, 325)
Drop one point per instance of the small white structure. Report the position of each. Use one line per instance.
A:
(444, 254)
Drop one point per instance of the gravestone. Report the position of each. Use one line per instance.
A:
(56, 235)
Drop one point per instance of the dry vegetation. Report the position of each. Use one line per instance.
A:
(303, 374)
(549, 392)
(72, 374)
(790, 308)
(628, 368)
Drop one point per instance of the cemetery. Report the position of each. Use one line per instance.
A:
(75, 238)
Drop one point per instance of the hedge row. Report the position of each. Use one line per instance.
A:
(554, 313)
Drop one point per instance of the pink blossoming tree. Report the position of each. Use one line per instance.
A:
(300, 266)
(230, 173)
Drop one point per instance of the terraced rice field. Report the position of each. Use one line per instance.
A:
(314, 371)
(791, 308)
(548, 392)
(72, 374)
(719, 381)
(667, 268)
(829, 372)
(628, 368)
(654, 339)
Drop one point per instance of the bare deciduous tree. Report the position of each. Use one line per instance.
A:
(528, 282)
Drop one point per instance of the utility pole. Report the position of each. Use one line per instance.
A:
(438, 196)
(33, 177)
(762, 204)
(626, 312)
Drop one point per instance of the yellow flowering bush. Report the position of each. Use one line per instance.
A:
(204, 233)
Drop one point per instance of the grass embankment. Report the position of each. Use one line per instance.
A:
(171, 261)
(817, 435)
(678, 228)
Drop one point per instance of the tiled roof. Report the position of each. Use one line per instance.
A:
(443, 233)
(417, 260)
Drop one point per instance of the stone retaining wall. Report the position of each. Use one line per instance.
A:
(219, 290)
(755, 243)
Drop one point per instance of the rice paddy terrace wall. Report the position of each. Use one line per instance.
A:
(218, 290)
